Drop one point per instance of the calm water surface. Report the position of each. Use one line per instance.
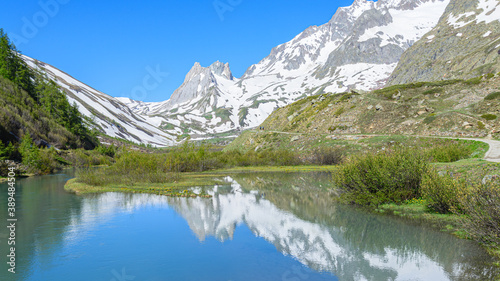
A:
(257, 227)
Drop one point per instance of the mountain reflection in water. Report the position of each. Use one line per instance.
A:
(232, 236)
(295, 213)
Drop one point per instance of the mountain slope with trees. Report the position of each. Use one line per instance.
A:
(32, 104)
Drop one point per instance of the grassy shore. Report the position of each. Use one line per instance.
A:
(418, 210)
(185, 181)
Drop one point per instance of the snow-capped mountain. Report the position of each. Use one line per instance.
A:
(202, 104)
(108, 114)
(357, 49)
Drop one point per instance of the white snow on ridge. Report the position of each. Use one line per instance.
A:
(362, 75)
(487, 34)
(460, 20)
(489, 12)
(411, 25)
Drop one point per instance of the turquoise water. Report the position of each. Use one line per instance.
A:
(257, 227)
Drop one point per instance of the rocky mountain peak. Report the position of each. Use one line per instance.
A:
(221, 69)
(195, 70)
(356, 9)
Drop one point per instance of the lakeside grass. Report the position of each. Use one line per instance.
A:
(173, 189)
(187, 180)
(418, 210)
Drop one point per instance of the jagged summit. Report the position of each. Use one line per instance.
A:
(221, 69)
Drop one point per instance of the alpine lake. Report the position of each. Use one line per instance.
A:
(257, 226)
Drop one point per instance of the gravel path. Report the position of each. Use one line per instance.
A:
(493, 154)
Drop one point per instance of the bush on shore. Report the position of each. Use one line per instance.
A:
(327, 156)
(377, 178)
(441, 192)
(480, 204)
(449, 152)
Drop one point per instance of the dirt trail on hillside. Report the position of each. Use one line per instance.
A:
(493, 154)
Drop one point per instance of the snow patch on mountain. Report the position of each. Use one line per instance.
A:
(108, 114)
(407, 25)
(489, 11)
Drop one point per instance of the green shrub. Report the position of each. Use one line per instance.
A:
(347, 96)
(49, 161)
(433, 91)
(327, 156)
(489, 117)
(492, 96)
(441, 192)
(473, 81)
(7, 152)
(480, 125)
(38, 161)
(449, 152)
(30, 154)
(429, 119)
(480, 204)
(490, 75)
(443, 83)
(86, 158)
(376, 178)
(107, 150)
(339, 111)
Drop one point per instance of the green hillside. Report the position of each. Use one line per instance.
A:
(32, 104)
(454, 108)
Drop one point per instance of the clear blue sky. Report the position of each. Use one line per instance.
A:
(110, 44)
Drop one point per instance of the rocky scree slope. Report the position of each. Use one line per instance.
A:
(464, 44)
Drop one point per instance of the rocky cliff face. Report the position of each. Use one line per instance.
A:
(464, 44)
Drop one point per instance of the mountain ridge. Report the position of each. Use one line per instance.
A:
(325, 58)
(108, 114)
(361, 48)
